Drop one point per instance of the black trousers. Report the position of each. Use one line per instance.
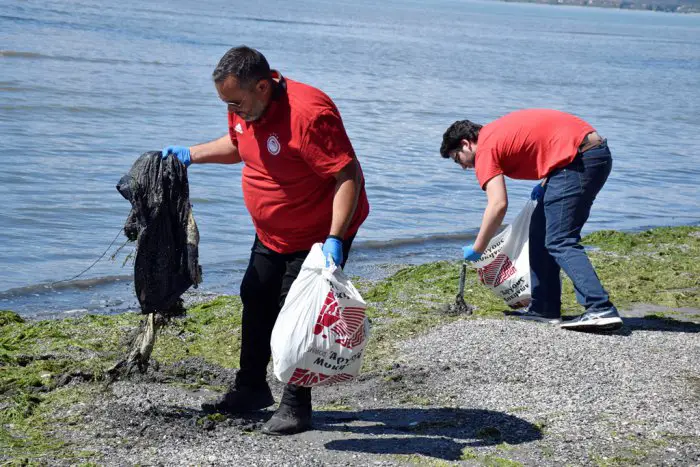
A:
(264, 289)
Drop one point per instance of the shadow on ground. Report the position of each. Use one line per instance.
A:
(648, 324)
(441, 433)
(650, 317)
(639, 323)
(431, 432)
(661, 324)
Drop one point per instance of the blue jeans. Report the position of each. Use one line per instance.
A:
(555, 234)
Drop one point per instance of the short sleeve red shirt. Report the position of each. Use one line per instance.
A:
(528, 144)
(291, 155)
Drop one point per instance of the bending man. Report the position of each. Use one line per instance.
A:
(574, 162)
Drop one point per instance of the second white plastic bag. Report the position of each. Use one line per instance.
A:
(320, 334)
(505, 265)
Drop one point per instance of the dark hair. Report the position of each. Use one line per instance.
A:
(459, 130)
(247, 65)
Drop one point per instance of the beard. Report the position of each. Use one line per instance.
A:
(257, 111)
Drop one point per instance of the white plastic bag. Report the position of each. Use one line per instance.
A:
(321, 331)
(505, 265)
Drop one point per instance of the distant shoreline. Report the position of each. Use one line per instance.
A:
(662, 6)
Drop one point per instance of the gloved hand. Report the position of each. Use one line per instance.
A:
(537, 193)
(333, 249)
(470, 254)
(181, 152)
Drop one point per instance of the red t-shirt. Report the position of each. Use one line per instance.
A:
(291, 156)
(528, 144)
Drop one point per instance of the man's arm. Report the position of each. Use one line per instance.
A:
(494, 213)
(220, 151)
(347, 191)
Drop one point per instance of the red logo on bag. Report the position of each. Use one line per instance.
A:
(497, 271)
(344, 322)
(307, 378)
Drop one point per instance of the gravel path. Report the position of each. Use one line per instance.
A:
(474, 392)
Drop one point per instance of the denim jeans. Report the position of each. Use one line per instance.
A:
(555, 234)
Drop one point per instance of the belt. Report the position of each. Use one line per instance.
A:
(590, 141)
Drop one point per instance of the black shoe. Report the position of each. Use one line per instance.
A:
(288, 420)
(608, 320)
(240, 400)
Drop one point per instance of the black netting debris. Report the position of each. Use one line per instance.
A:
(162, 224)
(167, 242)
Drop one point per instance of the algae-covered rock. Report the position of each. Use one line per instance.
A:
(7, 317)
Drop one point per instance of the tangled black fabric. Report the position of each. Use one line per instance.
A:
(163, 227)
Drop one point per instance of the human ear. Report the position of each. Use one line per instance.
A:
(262, 85)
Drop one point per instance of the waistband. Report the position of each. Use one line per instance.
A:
(590, 141)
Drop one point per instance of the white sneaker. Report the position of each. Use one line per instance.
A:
(608, 320)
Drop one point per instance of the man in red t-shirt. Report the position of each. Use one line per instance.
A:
(574, 162)
(302, 184)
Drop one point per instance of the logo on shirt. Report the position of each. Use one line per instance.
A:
(273, 145)
(238, 128)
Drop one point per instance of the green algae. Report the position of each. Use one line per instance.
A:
(35, 354)
(422, 460)
(8, 317)
(28, 424)
(411, 301)
(333, 408)
(37, 359)
(210, 330)
(46, 367)
(490, 460)
(659, 266)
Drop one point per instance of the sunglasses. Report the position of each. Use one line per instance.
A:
(235, 105)
(454, 155)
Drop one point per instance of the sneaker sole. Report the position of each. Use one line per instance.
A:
(598, 324)
(539, 320)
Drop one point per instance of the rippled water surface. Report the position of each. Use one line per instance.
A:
(86, 86)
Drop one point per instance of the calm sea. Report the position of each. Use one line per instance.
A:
(87, 86)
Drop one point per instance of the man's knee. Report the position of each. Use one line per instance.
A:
(253, 290)
(247, 289)
(557, 244)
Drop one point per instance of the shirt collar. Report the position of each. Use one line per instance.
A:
(279, 93)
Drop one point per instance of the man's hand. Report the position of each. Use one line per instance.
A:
(181, 152)
(470, 254)
(537, 193)
(333, 250)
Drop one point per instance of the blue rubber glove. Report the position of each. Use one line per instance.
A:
(470, 254)
(181, 152)
(537, 193)
(333, 249)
